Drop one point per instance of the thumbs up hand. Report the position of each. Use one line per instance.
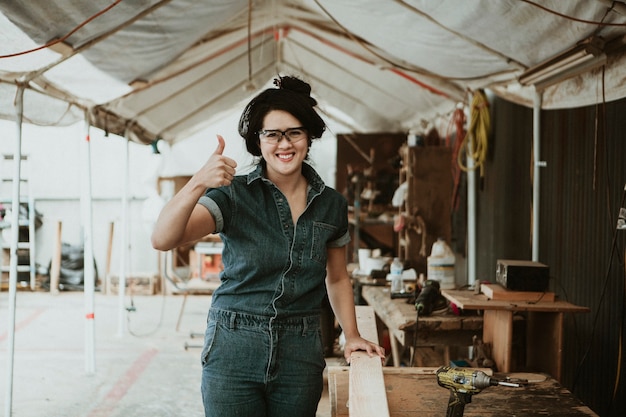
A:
(219, 170)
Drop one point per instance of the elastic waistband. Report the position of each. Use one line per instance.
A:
(235, 319)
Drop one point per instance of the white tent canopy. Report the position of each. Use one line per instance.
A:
(166, 69)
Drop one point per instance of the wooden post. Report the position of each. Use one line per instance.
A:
(55, 266)
(107, 271)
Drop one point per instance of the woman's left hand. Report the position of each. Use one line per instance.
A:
(359, 344)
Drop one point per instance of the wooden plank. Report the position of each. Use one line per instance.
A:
(137, 284)
(498, 331)
(414, 392)
(366, 323)
(368, 397)
(400, 316)
(367, 386)
(107, 263)
(338, 377)
(394, 313)
(55, 264)
(469, 301)
(498, 292)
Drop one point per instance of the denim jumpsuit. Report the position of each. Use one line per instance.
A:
(263, 354)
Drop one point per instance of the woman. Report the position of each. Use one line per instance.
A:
(285, 235)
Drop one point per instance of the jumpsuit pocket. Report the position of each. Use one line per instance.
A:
(209, 337)
(322, 233)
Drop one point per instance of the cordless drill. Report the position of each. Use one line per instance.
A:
(428, 297)
(463, 383)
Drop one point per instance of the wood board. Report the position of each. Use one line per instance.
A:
(499, 293)
(367, 385)
(415, 392)
(467, 300)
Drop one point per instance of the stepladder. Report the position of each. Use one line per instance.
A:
(18, 221)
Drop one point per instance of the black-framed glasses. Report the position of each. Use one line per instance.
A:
(274, 136)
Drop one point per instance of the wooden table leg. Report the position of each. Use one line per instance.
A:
(395, 352)
(498, 330)
(544, 342)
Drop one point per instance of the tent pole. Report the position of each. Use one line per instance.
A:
(537, 165)
(471, 209)
(89, 276)
(121, 287)
(15, 212)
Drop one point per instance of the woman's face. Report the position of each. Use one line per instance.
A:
(284, 144)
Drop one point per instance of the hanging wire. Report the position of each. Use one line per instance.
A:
(409, 68)
(132, 310)
(249, 40)
(575, 19)
(249, 86)
(70, 33)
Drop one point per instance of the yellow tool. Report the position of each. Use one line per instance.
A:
(463, 383)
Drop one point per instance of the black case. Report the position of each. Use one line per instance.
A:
(522, 275)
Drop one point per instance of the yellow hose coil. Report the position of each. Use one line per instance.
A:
(480, 125)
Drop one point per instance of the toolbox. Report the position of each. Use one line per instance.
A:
(517, 275)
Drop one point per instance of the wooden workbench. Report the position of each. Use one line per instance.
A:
(415, 392)
(544, 328)
(399, 317)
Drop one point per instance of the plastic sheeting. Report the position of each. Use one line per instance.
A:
(166, 69)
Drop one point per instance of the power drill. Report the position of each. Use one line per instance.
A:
(463, 383)
(428, 297)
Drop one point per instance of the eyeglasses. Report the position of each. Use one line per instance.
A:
(274, 136)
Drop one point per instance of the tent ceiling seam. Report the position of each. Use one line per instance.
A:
(200, 108)
(366, 60)
(505, 58)
(98, 39)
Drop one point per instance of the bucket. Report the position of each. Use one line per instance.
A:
(440, 265)
(364, 255)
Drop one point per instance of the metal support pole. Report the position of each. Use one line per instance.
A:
(121, 288)
(357, 221)
(15, 211)
(89, 276)
(537, 165)
(471, 209)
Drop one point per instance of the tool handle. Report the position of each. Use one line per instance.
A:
(456, 403)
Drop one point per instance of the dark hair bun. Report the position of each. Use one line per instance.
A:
(291, 95)
(296, 85)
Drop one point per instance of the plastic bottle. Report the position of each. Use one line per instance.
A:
(441, 264)
(396, 275)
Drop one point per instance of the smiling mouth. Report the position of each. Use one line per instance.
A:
(285, 157)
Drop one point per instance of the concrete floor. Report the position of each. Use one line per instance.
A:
(141, 368)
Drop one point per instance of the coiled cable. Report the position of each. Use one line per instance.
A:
(478, 131)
